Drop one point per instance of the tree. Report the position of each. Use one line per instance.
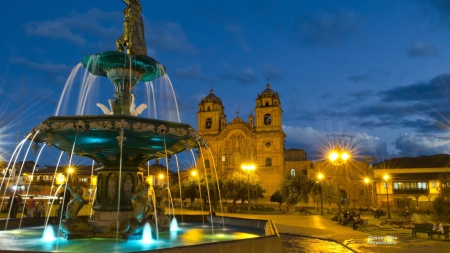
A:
(293, 188)
(276, 197)
(329, 194)
(235, 187)
(441, 204)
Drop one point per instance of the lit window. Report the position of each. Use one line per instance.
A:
(422, 185)
(293, 172)
(385, 185)
(433, 184)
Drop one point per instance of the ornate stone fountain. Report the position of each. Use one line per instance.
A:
(119, 141)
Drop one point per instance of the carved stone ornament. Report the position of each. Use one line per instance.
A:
(49, 140)
(141, 127)
(121, 72)
(161, 130)
(121, 138)
(122, 124)
(80, 126)
(101, 125)
(112, 157)
(63, 126)
(177, 131)
(43, 127)
(35, 147)
(111, 188)
(132, 156)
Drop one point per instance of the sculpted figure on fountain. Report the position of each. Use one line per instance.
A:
(133, 30)
(72, 225)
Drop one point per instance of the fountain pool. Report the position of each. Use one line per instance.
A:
(188, 238)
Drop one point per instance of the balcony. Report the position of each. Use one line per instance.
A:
(411, 191)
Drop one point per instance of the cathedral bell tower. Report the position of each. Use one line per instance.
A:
(211, 117)
(268, 111)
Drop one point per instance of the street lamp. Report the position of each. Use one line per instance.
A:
(386, 178)
(368, 181)
(161, 177)
(337, 158)
(320, 177)
(248, 168)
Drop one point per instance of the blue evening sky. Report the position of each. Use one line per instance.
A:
(372, 74)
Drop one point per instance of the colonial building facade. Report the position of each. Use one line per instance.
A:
(413, 182)
(259, 140)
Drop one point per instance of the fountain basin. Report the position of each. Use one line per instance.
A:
(236, 235)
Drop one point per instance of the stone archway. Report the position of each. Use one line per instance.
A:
(343, 195)
(411, 202)
(423, 202)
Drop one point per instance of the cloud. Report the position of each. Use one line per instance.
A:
(168, 36)
(246, 76)
(435, 89)
(271, 72)
(75, 27)
(415, 144)
(193, 72)
(107, 27)
(420, 50)
(362, 78)
(330, 30)
(56, 73)
(236, 32)
(317, 143)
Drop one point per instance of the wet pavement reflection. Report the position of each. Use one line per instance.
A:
(293, 243)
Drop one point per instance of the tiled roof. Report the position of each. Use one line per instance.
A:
(435, 161)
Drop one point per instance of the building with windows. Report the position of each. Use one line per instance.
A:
(413, 182)
(259, 140)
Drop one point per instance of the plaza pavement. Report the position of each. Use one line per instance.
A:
(294, 228)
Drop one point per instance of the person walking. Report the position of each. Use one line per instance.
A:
(12, 206)
(40, 209)
(31, 203)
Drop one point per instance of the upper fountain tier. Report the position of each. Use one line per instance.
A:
(118, 67)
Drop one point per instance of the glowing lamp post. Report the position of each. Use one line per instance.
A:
(60, 179)
(368, 181)
(338, 157)
(161, 177)
(386, 179)
(320, 177)
(248, 168)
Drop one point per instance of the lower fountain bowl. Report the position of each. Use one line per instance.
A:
(196, 234)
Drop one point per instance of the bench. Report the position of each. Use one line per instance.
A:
(405, 215)
(363, 225)
(303, 211)
(422, 228)
(446, 233)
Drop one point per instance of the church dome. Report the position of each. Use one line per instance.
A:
(211, 98)
(268, 92)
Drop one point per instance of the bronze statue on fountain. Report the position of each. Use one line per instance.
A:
(119, 141)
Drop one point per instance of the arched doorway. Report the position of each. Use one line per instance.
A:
(343, 195)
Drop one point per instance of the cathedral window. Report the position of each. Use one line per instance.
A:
(267, 119)
(293, 172)
(267, 103)
(208, 123)
(207, 165)
(268, 161)
(209, 108)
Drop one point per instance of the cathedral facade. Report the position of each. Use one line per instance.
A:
(259, 140)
